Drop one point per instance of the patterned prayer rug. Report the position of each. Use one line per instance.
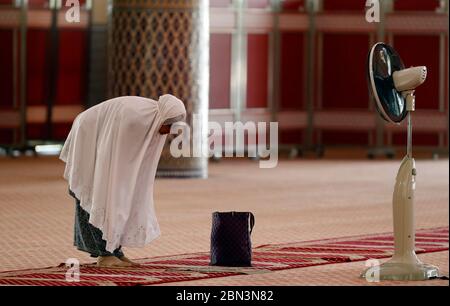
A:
(266, 259)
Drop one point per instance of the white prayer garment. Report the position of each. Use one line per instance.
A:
(111, 156)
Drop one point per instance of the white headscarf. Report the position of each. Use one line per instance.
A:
(111, 156)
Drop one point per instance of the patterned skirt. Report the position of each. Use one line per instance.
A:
(88, 238)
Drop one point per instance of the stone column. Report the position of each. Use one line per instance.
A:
(161, 47)
(98, 37)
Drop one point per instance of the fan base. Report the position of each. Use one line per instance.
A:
(397, 271)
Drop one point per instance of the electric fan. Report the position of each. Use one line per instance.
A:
(392, 87)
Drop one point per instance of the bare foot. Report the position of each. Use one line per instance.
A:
(126, 259)
(111, 262)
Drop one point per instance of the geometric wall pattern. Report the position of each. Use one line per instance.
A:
(160, 47)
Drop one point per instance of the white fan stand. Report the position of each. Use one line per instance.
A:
(404, 265)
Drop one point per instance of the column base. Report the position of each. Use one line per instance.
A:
(200, 173)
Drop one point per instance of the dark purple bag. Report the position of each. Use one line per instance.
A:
(230, 239)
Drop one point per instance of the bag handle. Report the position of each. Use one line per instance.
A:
(252, 222)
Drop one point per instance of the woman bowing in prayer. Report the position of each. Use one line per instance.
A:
(111, 156)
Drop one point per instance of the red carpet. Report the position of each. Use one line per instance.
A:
(266, 258)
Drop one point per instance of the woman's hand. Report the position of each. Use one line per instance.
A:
(165, 129)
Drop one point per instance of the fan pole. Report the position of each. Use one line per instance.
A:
(409, 140)
(410, 107)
